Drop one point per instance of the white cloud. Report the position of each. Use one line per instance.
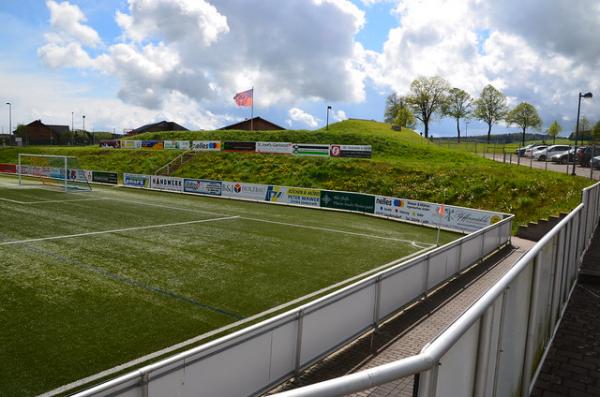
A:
(299, 115)
(65, 55)
(340, 115)
(66, 22)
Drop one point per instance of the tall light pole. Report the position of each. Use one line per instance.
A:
(327, 125)
(9, 117)
(83, 117)
(72, 127)
(586, 95)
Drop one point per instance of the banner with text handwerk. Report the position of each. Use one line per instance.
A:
(348, 201)
(306, 149)
(206, 146)
(274, 147)
(170, 183)
(456, 218)
(353, 151)
(201, 186)
(302, 196)
(129, 144)
(155, 145)
(136, 180)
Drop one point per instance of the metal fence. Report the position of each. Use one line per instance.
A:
(497, 347)
(252, 360)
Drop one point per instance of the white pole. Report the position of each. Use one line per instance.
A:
(19, 170)
(66, 175)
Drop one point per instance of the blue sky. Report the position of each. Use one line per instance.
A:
(124, 63)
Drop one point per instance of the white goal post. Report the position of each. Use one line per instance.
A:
(55, 171)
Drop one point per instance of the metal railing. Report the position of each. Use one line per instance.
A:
(252, 360)
(501, 341)
(174, 164)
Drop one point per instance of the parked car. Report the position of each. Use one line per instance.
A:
(584, 155)
(529, 152)
(596, 162)
(541, 154)
(521, 151)
(564, 157)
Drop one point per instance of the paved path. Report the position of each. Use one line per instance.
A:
(546, 165)
(408, 333)
(572, 367)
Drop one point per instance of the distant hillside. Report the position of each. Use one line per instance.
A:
(403, 165)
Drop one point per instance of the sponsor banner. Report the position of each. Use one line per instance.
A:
(88, 174)
(113, 143)
(348, 201)
(274, 147)
(304, 149)
(427, 213)
(129, 144)
(8, 168)
(355, 151)
(201, 186)
(136, 180)
(155, 145)
(105, 177)
(170, 144)
(201, 146)
(250, 191)
(183, 145)
(277, 194)
(239, 146)
(301, 196)
(166, 183)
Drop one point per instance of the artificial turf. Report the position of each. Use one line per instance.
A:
(74, 306)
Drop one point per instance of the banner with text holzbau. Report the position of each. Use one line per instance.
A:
(253, 191)
(170, 183)
(456, 218)
(136, 180)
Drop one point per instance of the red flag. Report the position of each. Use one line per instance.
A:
(244, 98)
(441, 211)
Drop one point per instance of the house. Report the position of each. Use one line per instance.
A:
(256, 124)
(38, 133)
(158, 127)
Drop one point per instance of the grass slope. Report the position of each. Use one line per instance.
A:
(403, 165)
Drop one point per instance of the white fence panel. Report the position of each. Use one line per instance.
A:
(401, 288)
(471, 251)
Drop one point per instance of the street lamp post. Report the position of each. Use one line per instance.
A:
(586, 95)
(9, 117)
(83, 117)
(327, 125)
(72, 126)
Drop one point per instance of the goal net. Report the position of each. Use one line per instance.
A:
(56, 172)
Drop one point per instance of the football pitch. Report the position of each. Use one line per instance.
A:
(92, 280)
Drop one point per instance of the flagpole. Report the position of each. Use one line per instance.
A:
(252, 112)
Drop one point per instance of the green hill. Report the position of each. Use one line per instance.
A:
(403, 165)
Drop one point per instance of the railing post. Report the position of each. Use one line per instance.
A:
(145, 381)
(428, 382)
(426, 281)
(299, 343)
(500, 343)
(376, 302)
(483, 352)
(531, 326)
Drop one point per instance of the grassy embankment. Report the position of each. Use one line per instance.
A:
(403, 165)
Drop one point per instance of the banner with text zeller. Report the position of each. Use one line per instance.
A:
(206, 146)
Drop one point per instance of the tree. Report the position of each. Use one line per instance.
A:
(458, 105)
(426, 98)
(393, 103)
(554, 129)
(405, 118)
(490, 107)
(524, 115)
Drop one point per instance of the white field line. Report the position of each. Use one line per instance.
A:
(199, 338)
(326, 229)
(33, 240)
(53, 201)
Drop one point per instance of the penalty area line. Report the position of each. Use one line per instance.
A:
(126, 229)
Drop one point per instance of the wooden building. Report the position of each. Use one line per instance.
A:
(258, 124)
(158, 127)
(38, 133)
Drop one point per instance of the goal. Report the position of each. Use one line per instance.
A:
(52, 171)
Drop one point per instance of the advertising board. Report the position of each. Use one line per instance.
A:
(8, 168)
(113, 143)
(302, 196)
(169, 145)
(130, 144)
(136, 180)
(105, 177)
(276, 194)
(348, 201)
(155, 145)
(169, 183)
(201, 186)
(201, 146)
(354, 151)
(249, 191)
(306, 149)
(231, 146)
(456, 218)
(274, 147)
(183, 145)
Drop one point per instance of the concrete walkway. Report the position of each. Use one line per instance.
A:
(572, 367)
(410, 331)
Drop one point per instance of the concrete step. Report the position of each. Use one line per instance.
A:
(534, 231)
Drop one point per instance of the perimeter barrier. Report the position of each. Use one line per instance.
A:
(497, 347)
(253, 360)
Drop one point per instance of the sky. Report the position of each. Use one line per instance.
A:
(125, 63)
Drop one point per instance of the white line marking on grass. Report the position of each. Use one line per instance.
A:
(326, 229)
(33, 240)
(53, 201)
